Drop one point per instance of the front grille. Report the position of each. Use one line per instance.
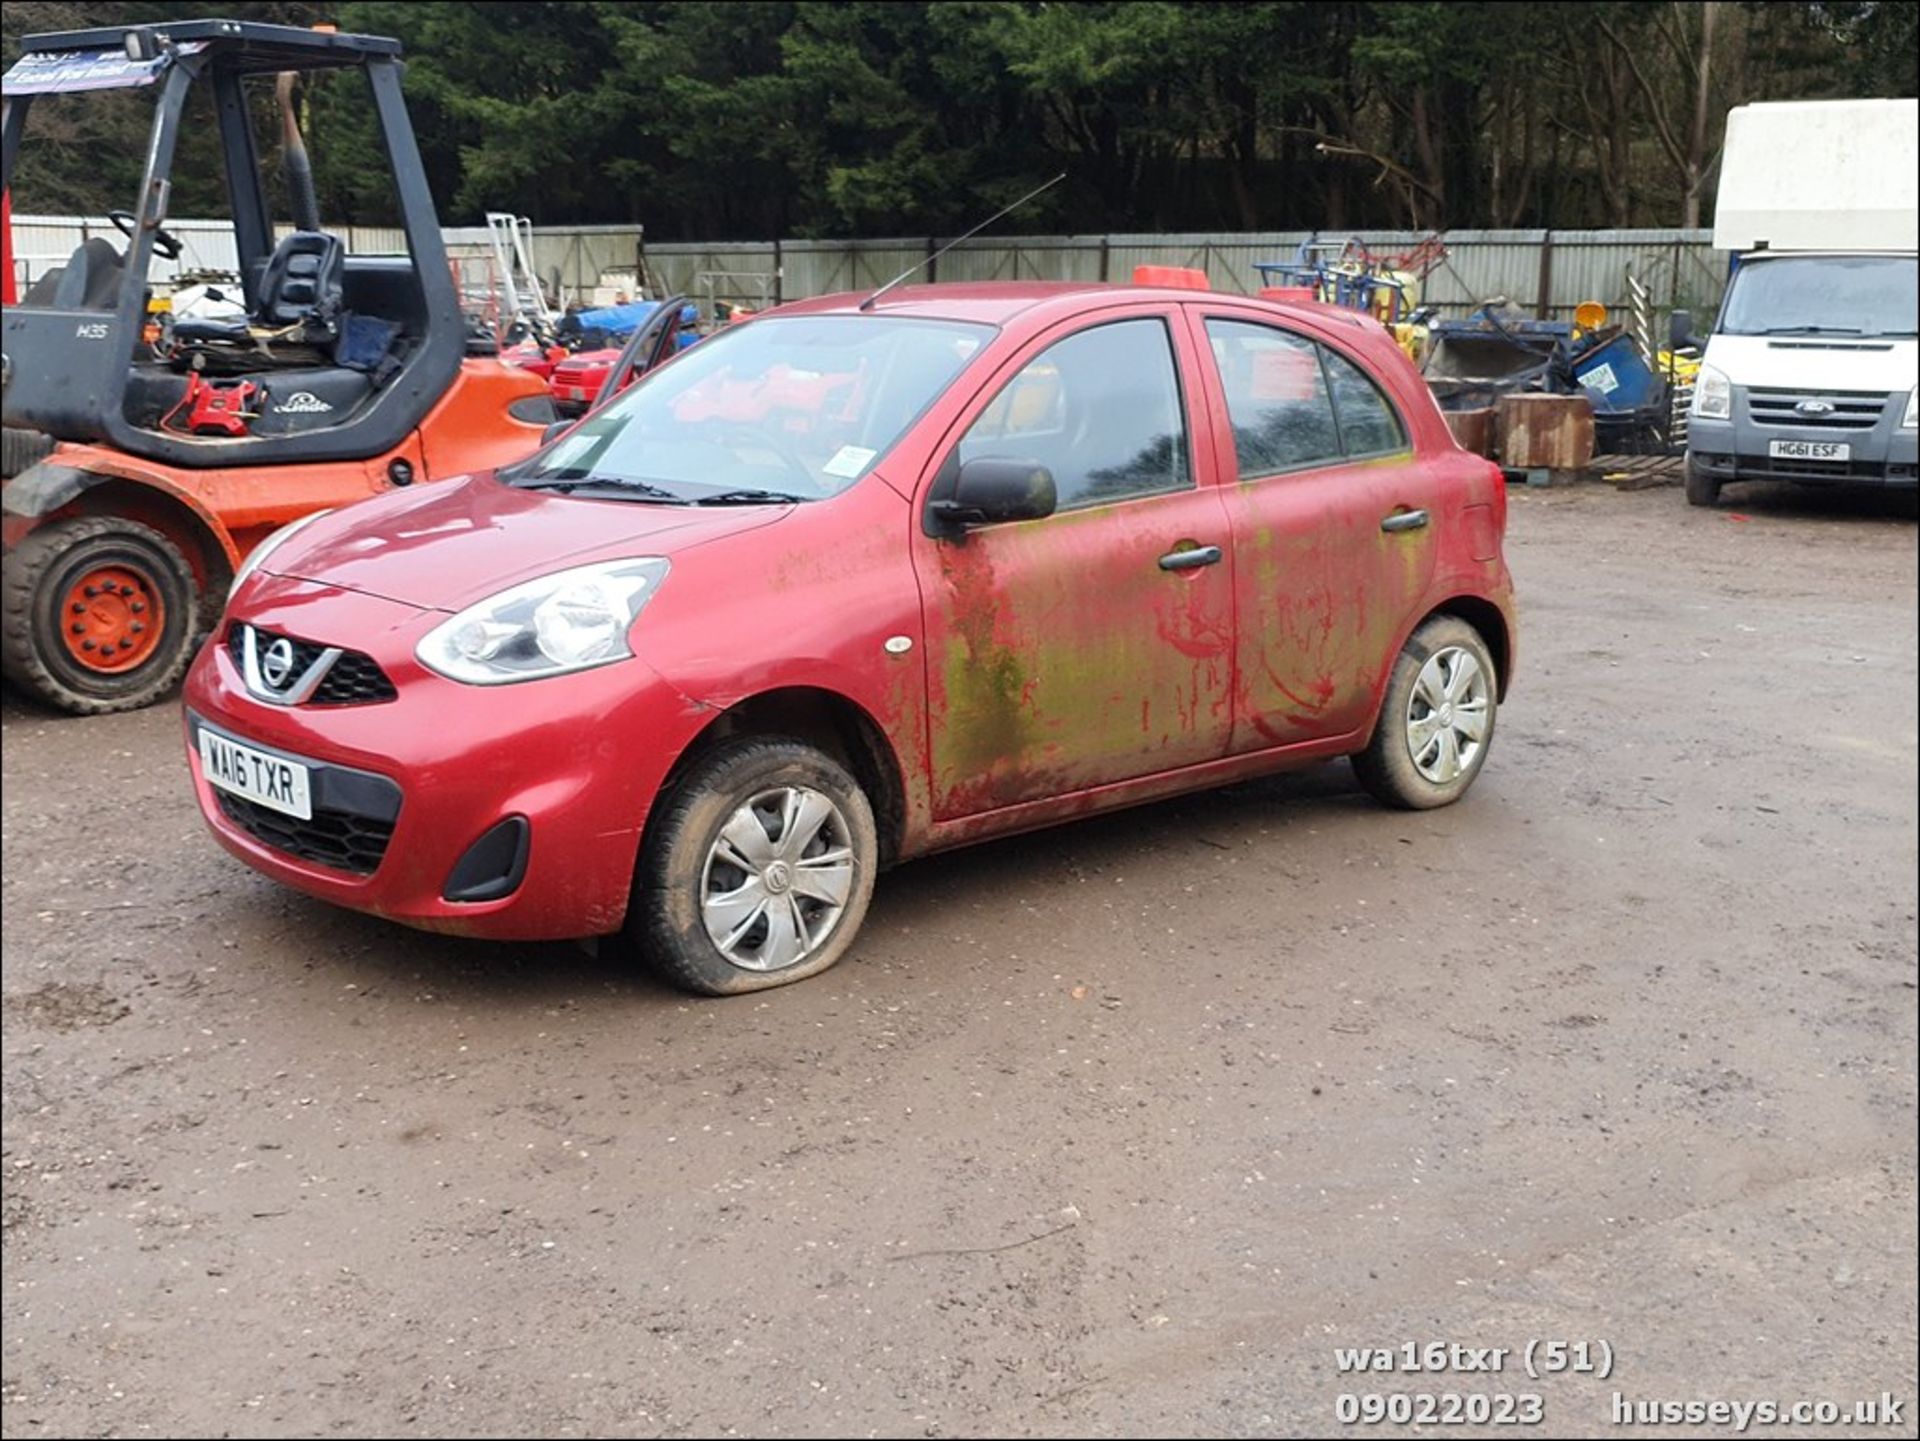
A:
(1852, 409)
(1819, 469)
(337, 839)
(353, 679)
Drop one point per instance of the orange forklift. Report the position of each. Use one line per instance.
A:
(181, 439)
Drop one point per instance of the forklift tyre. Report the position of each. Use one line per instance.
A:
(101, 614)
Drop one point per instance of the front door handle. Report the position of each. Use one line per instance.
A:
(1405, 520)
(1192, 559)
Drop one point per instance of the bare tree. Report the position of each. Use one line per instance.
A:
(1682, 133)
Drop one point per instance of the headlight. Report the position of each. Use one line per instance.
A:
(1712, 394)
(1909, 419)
(266, 547)
(570, 620)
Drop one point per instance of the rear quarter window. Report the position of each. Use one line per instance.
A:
(1369, 424)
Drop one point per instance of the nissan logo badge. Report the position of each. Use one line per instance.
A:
(277, 664)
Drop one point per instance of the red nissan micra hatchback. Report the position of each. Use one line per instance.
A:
(848, 584)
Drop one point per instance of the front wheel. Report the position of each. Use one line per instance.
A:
(757, 871)
(1437, 722)
(1702, 489)
(101, 615)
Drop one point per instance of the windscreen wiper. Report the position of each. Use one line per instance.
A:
(1811, 330)
(567, 482)
(750, 497)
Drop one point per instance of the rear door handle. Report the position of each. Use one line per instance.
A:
(1405, 520)
(1191, 559)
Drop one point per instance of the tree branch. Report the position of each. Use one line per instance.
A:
(1333, 145)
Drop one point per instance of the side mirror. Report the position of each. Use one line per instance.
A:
(992, 491)
(554, 431)
(1680, 330)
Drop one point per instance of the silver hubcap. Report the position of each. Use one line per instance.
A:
(1447, 715)
(777, 878)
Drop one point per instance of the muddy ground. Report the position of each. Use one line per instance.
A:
(1120, 1128)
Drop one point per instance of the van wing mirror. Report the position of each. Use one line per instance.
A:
(1680, 334)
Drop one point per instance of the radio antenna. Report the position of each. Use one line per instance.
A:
(868, 303)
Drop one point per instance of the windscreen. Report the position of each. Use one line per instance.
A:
(796, 407)
(1869, 295)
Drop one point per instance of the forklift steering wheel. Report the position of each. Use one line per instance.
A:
(164, 240)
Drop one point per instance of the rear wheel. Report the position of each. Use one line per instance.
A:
(101, 615)
(1437, 722)
(757, 871)
(1702, 489)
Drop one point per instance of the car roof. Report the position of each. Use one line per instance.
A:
(1752, 257)
(998, 302)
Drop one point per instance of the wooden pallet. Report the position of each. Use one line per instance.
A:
(1636, 472)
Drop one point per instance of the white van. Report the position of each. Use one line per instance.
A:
(1811, 370)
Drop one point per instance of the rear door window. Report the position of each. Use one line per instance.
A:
(1277, 398)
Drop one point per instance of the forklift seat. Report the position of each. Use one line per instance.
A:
(301, 286)
(302, 280)
(90, 279)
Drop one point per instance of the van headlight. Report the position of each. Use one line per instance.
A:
(1712, 394)
(1909, 419)
(571, 620)
(268, 546)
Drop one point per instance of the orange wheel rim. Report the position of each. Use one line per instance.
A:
(112, 619)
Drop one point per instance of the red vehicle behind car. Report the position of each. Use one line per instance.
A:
(534, 358)
(842, 586)
(575, 382)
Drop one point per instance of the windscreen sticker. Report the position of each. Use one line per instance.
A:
(849, 461)
(571, 451)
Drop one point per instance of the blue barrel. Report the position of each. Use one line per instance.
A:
(1616, 379)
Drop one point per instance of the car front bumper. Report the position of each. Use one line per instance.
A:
(578, 757)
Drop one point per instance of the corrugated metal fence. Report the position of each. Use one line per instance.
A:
(1546, 273)
(41, 242)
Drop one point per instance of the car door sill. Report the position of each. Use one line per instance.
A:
(1116, 795)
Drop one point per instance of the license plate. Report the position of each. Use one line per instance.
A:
(574, 392)
(1809, 450)
(273, 781)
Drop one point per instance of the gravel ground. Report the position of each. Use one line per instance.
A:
(1116, 1129)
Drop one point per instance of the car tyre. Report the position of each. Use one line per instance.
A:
(110, 583)
(1436, 723)
(1702, 489)
(756, 870)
